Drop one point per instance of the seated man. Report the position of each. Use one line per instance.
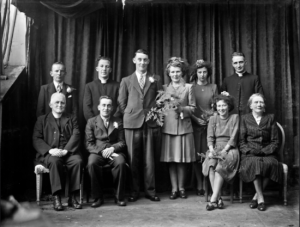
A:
(105, 140)
(56, 138)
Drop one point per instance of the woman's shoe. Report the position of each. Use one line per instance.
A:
(261, 206)
(220, 203)
(200, 192)
(182, 194)
(253, 204)
(211, 206)
(174, 195)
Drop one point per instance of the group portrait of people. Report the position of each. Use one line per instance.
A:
(222, 132)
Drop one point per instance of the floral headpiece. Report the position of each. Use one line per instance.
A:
(175, 60)
(199, 62)
(225, 93)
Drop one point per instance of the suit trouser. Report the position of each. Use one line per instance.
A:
(118, 164)
(140, 143)
(57, 172)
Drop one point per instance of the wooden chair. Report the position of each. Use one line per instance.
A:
(39, 184)
(285, 169)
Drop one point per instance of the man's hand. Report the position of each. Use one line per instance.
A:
(201, 121)
(106, 153)
(58, 152)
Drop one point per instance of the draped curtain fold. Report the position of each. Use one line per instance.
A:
(265, 32)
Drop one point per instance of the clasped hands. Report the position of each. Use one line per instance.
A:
(213, 154)
(107, 152)
(58, 152)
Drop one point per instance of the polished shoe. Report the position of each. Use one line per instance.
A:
(182, 194)
(74, 203)
(174, 195)
(261, 206)
(200, 192)
(97, 202)
(211, 206)
(220, 203)
(133, 198)
(253, 204)
(152, 198)
(57, 203)
(120, 203)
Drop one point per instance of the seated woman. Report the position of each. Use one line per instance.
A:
(258, 144)
(222, 159)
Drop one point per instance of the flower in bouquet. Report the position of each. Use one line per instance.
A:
(206, 114)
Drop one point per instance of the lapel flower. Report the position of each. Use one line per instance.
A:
(181, 116)
(70, 89)
(152, 79)
(116, 125)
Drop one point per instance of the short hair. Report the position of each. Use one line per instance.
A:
(141, 51)
(105, 97)
(103, 58)
(55, 94)
(238, 54)
(229, 100)
(252, 97)
(58, 63)
(198, 65)
(177, 62)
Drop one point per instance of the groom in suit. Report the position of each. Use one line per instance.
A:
(56, 138)
(105, 140)
(136, 97)
(58, 72)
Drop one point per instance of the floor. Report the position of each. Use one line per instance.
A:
(179, 212)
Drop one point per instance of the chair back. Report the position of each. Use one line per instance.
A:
(282, 142)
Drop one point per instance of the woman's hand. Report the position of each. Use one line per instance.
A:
(178, 109)
(201, 122)
(210, 155)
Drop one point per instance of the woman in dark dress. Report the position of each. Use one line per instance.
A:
(258, 143)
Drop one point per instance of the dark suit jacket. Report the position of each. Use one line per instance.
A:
(92, 93)
(241, 88)
(136, 103)
(46, 135)
(258, 140)
(98, 138)
(45, 97)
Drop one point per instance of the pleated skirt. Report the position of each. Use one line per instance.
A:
(267, 166)
(178, 148)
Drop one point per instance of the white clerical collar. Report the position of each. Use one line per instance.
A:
(139, 74)
(240, 74)
(56, 84)
(56, 115)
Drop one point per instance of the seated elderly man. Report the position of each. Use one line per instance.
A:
(56, 138)
(105, 140)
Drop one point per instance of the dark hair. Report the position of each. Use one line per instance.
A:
(177, 62)
(105, 97)
(198, 65)
(252, 96)
(141, 51)
(103, 58)
(237, 54)
(229, 100)
(58, 63)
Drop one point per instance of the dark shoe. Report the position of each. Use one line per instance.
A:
(211, 206)
(120, 203)
(152, 198)
(200, 192)
(97, 202)
(182, 194)
(57, 203)
(132, 198)
(261, 207)
(220, 203)
(74, 203)
(253, 204)
(173, 195)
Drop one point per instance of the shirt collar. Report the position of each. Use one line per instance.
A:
(139, 74)
(104, 119)
(56, 84)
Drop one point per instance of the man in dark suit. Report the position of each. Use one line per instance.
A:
(56, 138)
(105, 141)
(103, 85)
(58, 72)
(136, 97)
(241, 85)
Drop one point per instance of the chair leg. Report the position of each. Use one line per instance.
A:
(231, 193)
(81, 188)
(39, 184)
(241, 191)
(206, 189)
(285, 174)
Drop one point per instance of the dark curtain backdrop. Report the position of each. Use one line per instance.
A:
(267, 33)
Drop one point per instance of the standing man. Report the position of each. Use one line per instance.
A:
(56, 138)
(136, 97)
(105, 140)
(103, 85)
(58, 72)
(241, 85)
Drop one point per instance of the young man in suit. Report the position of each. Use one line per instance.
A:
(105, 140)
(241, 85)
(136, 97)
(103, 85)
(56, 138)
(58, 72)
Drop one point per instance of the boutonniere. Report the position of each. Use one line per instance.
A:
(69, 90)
(116, 125)
(152, 79)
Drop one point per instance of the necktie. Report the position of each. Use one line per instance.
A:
(58, 89)
(142, 82)
(106, 124)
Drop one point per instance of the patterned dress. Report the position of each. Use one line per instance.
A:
(221, 132)
(258, 145)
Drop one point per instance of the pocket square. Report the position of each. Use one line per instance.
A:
(69, 96)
